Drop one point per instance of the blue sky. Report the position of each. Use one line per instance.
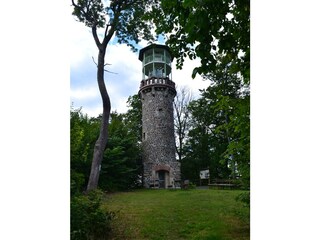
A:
(124, 63)
(36, 90)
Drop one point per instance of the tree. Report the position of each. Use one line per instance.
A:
(122, 168)
(133, 117)
(217, 32)
(205, 29)
(204, 147)
(182, 117)
(197, 148)
(125, 19)
(83, 131)
(220, 127)
(231, 99)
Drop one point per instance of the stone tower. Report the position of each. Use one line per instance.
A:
(157, 92)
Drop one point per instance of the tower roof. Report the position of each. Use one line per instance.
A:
(154, 46)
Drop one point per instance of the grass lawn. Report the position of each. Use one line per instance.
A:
(179, 214)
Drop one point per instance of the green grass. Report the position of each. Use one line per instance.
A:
(179, 214)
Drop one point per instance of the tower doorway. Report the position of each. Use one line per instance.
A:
(163, 176)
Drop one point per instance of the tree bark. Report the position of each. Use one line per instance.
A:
(101, 143)
(88, 15)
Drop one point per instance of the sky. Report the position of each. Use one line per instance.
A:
(126, 68)
(284, 110)
(37, 85)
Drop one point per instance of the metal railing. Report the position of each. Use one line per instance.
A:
(157, 80)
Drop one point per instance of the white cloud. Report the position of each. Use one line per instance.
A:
(183, 77)
(92, 111)
(127, 80)
(84, 93)
(82, 45)
(122, 59)
(84, 90)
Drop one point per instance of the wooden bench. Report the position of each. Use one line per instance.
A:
(223, 184)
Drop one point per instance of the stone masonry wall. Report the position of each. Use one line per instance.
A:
(158, 140)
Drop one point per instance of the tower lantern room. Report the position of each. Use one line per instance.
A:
(156, 61)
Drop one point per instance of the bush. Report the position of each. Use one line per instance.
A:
(88, 220)
(245, 198)
(76, 182)
(189, 186)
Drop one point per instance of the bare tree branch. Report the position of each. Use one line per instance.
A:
(110, 71)
(94, 61)
(75, 5)
(104, 65)
(97, 64)
(181, 121)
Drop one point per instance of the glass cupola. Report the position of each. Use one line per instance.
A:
(156, 61)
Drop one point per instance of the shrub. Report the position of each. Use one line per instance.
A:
(88, 220)
(76, 182)
(245, 198)
(190, 186)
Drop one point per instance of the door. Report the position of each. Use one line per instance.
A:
(162, 178)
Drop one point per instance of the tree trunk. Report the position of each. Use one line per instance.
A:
(101, 143)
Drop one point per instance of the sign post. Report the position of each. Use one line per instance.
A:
(205, 174)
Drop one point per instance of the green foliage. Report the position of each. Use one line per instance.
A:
(88, 219)
(133, 117)
(77, 182)
(206, 29)
(124, 18)
(91, 12)
(83, 133)
(122, 168)
(190, 186)
(132, 23)
(245, 198)
(220, 134)
(229, 101)
(204, 147)
(217, 32)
